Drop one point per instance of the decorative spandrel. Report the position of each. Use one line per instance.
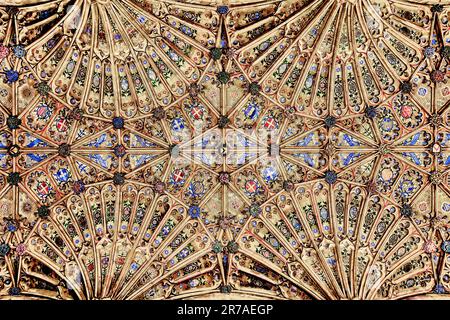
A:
(181, 149)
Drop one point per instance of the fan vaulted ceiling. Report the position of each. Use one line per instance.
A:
(156, 149)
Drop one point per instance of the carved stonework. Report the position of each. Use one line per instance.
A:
(286, 149)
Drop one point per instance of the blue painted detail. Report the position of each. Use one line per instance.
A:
(177, 124)
(62, 175)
